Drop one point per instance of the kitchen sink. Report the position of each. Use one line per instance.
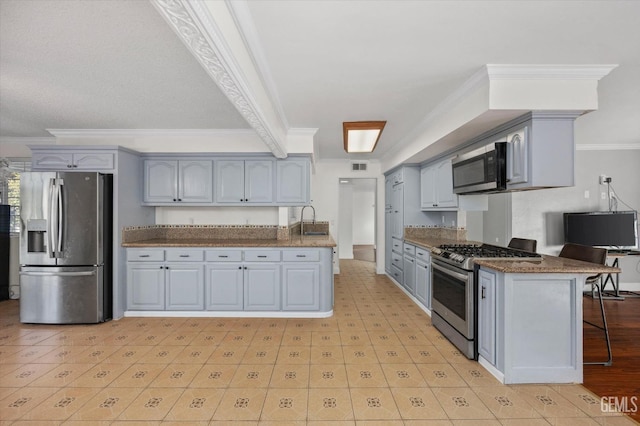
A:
(315, 233)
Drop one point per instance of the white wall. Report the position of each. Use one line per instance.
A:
(363, 216)
(344, 235)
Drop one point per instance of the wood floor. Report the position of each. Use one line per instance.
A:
(622, 379)
(364, 252)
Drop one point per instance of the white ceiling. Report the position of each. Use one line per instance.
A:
(118, 65)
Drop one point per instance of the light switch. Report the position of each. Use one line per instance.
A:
(586, 194)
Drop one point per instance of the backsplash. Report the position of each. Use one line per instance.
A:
(228, 232)
(435, 232)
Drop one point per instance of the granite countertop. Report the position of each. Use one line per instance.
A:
(549, 264)
(294, 241)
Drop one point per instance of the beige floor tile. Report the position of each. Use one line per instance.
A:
(107, 404)
(214, 376)
(128, 354)
(95, 354)
(62, 404)
(23, 401)
(227, 354)
(239, 337)
(123, 338)
(290, 376)
(261, 354)
(403, 376)
(329, 404)
(379, 423)
(454, 356)
(373, 404)
(25, 374)
(475, 375)
(294, 355)
(505, 403)
(30, 354)
(252, 376)
(62, 354)
(326, 355)
(240, 404)
(195, 404)
(524, 422)
(285, 404)
(413, 338)
(194, 354)
(152, 404)
(138, 375)
(366, 375)
(62, 375)
(587, 401)
(325, 338)
(571, 421)
(548, 402)
(386, 338)
(476, 422)
(208, 338)
(264, 336)
(161, 354)
(425, 354)
(392, 354)
(427, 423)
(462, 403)
(176, 376)
(441, 375)
(180, 338)
(355, 338)
(328, 376)
(99, 376)
(615, 421)
(417, 403)
(296, 338)
(359, 354)
(5, 392)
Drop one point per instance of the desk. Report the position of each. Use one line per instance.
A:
(615, 282)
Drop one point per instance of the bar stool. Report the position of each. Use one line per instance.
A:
(523, 244)
(599, 256)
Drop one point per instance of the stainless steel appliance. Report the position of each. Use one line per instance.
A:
(481, 170)
(454, 293)
(66, 247)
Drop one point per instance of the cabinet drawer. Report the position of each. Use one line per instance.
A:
(423, 254)
(301, 256)
(409, 249)
(396, 260)
(396, 245)
(262, 256)
(185, 255)
(396, 273)
(145, 255)
(224, 255)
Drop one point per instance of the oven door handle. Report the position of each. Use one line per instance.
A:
(448, 271)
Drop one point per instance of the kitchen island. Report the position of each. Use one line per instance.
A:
(529, 316)
(206, 272)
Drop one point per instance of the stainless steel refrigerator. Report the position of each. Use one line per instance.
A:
(66, 247)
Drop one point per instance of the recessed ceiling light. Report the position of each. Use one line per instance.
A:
(361, 136)
(344, 181)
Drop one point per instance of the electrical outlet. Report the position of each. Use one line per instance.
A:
(586, 194)
(603, 195)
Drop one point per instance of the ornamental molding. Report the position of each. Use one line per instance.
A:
(140, 133)
(197, 29)
(548, 72)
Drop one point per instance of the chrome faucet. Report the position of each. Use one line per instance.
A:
(302, 218)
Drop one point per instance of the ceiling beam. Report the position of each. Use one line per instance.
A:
(212, 36)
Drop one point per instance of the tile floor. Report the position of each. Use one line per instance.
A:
(378, 361)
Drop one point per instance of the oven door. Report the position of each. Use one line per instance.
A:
(452, 296)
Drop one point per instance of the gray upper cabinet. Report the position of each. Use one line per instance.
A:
(517, 156)
(240, 181)
(56, 160)
(292, 181)
(436, 187)
(172, 181)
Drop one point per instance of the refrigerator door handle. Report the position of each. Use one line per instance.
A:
(58, 274)
(51, 238)
(61, 218)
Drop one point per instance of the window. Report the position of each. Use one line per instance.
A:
(13, 199)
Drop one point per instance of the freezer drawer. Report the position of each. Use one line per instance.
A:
(62, 295)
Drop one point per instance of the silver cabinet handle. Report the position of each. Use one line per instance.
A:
(262, 256)
(223, 255)
(59, 274)
(144, 255)
(483, 289)
(184, 255)
(61, 218)
(50, 235)
(301, 255)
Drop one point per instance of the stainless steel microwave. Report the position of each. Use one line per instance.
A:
(481, 170)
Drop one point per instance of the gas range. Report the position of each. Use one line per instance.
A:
(463, 255)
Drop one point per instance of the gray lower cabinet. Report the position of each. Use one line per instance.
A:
(301, 287)
(184, 287)
(487, 315)
(423, 283)
(145, 286)
(224, 287)
(409, 274)
(261, 287)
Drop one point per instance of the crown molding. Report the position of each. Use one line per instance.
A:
(136, 133)
(197, 29)
(548, 72)
(607, 147)
(28, 140)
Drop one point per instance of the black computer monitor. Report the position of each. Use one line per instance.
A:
(603, 229)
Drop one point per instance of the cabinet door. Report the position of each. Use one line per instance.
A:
(145, 286)
(160, 181)
(409, 278)
(487, 315)
(261, 287)
(229, 181)
(398, 211)
(93, 161)
(428, 187)
(184, 287)
(195, 181)
(423, 283)
(224, 287)
(517, 157)
(292, 181)
(444, 185)
(301, 287)
(51, 161)
(258, 175)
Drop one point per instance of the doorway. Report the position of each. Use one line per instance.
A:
(357, 219)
